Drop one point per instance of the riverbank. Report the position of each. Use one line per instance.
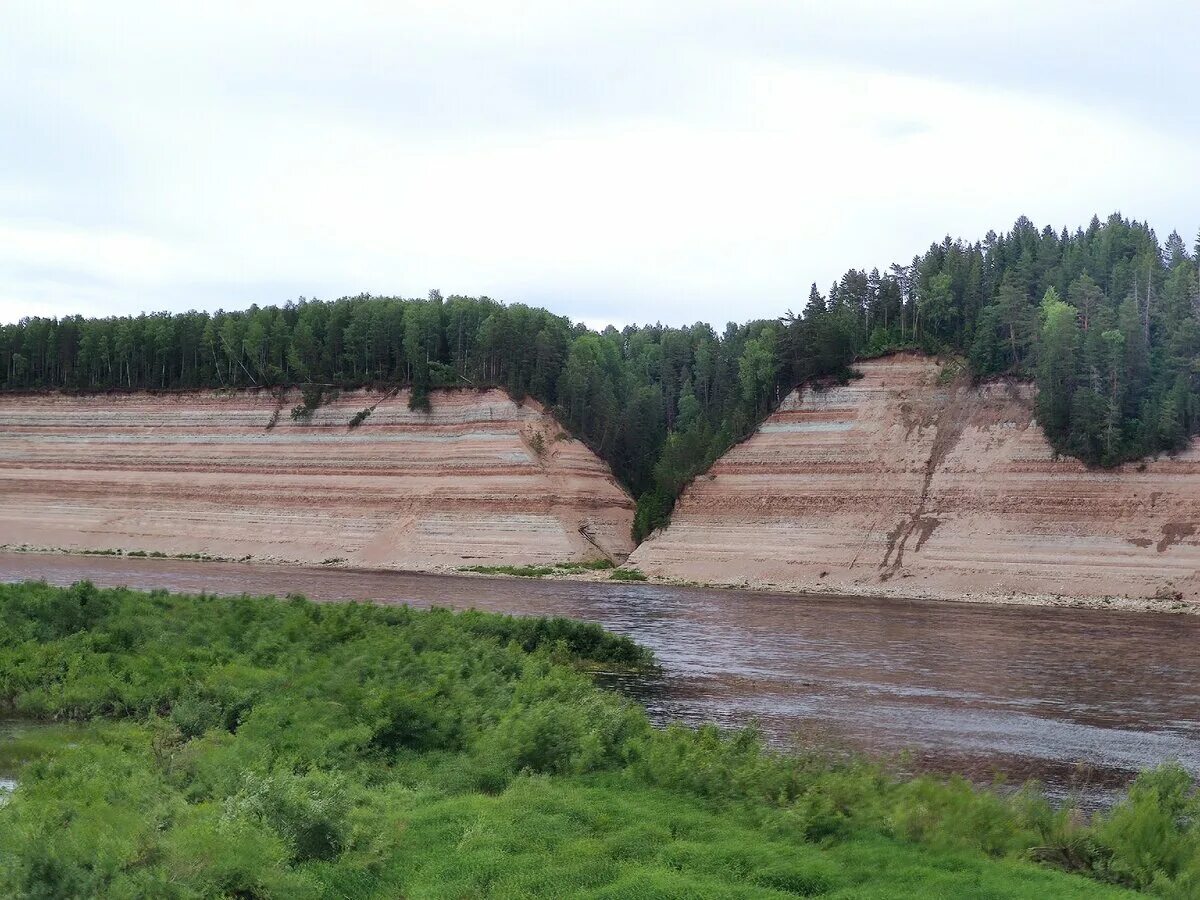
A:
(1170, 605)
(575, 572)
(1079, 699)
(260, 747)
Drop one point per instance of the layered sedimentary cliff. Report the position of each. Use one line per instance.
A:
(908, 482)
(478, 480)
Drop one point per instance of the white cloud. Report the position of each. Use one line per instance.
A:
(109, 256)
(624, 162)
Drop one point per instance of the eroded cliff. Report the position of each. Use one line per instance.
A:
(479, 479)
(910, 482)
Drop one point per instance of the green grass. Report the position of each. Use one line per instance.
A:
(23, 742)
(136, 554)
(157, 554)
(561, 568)
(251, 747)
(591, 565)
(602, 836)
(519, 571)
(627, 575)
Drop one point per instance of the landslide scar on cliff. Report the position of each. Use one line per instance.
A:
(279, 394)
(898, 537)
(1173, 533)
(925, 526)
(948, 415)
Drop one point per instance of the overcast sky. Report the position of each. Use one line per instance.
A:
(612, 161)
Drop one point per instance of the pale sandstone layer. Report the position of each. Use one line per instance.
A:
(478, 480)
(906, 483)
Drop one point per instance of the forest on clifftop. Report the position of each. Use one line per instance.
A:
(1105, 319)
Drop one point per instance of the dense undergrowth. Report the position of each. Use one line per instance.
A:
(253, 747)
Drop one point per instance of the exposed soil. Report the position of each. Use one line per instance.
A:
(899, 484)
(478, 480)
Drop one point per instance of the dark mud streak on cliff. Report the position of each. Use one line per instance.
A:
(1173, 533)
(949, 417)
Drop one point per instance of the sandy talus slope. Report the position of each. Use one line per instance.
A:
(901, 483)
(203, 473)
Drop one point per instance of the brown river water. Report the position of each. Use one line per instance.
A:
(1078, 699)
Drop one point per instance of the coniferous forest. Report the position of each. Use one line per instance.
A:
(1106, 320)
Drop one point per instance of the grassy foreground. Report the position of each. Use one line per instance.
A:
(254, 747)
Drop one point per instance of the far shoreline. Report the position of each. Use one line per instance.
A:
(1156, 605)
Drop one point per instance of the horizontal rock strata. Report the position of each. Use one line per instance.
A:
(477, 480)
(908, 482)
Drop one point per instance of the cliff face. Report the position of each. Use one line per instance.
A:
(904, 482)
(479, 480)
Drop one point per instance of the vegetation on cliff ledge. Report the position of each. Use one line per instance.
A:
(253, 747)
(1105, 318)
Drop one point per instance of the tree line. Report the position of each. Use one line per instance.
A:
(1106, 319)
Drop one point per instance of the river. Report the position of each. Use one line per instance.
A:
(1076, 698)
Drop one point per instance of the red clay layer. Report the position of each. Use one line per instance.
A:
(900, 483)
(478, 480)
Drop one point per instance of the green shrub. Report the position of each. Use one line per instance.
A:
(271, 748)
(580, 640)
(801, 878)
(312, 396)
(211, 853)
(194, 715)
(309, 811)
(406, 720)
(418, 399)
(519, 571)
(1152, 839)
(627, 575)
(653, 511)
(590, 565)
(558, 726)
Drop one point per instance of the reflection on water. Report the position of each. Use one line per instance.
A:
(10, 730)
(1077, 698)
